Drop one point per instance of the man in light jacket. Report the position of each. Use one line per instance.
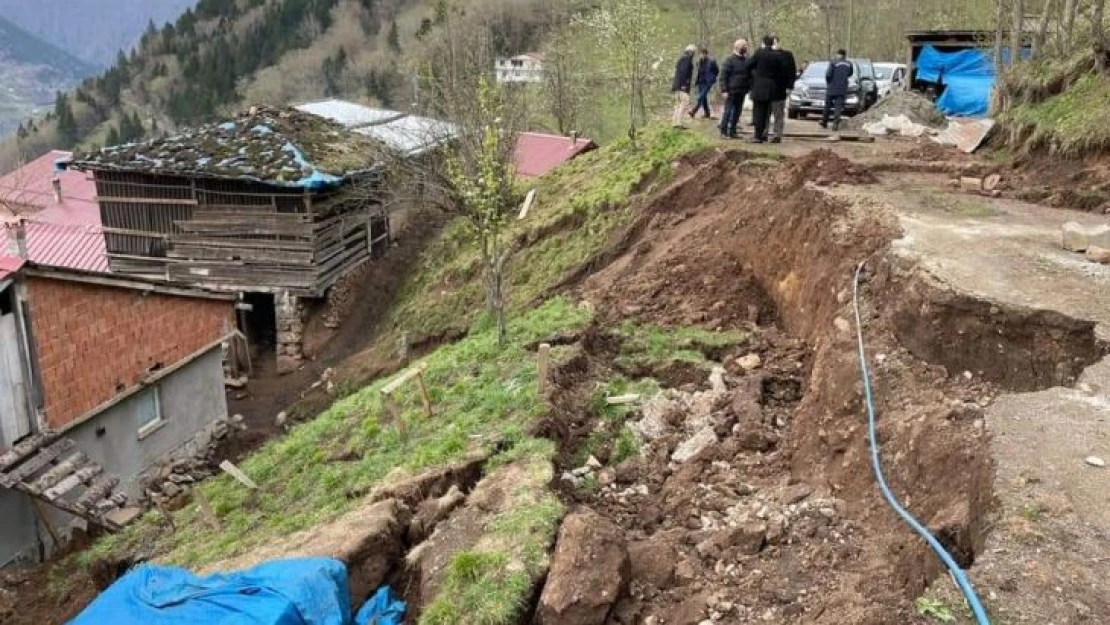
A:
(680, 86)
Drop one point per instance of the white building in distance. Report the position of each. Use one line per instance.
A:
(520, 68)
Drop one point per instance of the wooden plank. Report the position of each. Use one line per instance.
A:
(36, 463)
(620, 400)
(267, 217)
(135, 233)
(196, 252)
(82, 476)
(234, 471)
(145, 200)
(97, 491)
(305, 244)
(528, 199)
(543, 364)
(23, 450)
(248, 228)
(404, 376)
(61, 471)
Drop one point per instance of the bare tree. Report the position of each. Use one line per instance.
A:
(1098, 35)
(1042, 27)
(1071, 9)
(564, 84)
(999, 33)
(1017, 31)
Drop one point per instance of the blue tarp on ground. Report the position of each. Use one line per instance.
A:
(308, 591)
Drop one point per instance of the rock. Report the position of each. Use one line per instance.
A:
(689, 612)
(593, 463)
(694, 445)
(627, 471)
(653, 562)
(170, 489)
(281, 419)
(607, 476)
(1097, 254)
(748, 538)
(842, 325)
(717, 380)
(751, 362)
(796, 493)
(220, 430)
(704, 404)
(754, 436)
(203, 439)
(658, 412)
(237, 418)
(1095, 461)
(1078, 238)
(287, 364)
(684, 571)
(589, 572)
(178, 478)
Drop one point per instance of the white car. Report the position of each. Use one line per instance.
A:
(891, 77)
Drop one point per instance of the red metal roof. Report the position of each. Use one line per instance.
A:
(9, 265)
(30, 191)
(64, 234)
(536, 154)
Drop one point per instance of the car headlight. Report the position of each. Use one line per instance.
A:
(852, 99)
(794, 96)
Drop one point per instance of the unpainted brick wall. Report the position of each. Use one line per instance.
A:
(94, 341)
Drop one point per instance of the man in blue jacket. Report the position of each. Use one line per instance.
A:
(707, 73)
(837, 78)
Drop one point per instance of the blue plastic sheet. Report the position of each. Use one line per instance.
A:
(308, 591)
(968, 77)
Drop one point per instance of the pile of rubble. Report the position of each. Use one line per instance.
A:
(912, 110)
(195, 461)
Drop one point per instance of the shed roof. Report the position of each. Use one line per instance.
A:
(281, 146)
(400, 132)
(536, 153)
(30, 189)
(63, 245)
(9, 265)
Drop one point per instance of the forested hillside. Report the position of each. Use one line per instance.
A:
(223, 54)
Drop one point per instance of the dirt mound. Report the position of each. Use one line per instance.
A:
(916, 107)
(824, 168)
(927, 151)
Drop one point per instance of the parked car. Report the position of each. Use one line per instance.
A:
(890, 77)
(810, 88)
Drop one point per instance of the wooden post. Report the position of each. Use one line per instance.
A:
(424, 393)
(46, 522)
(543, 364)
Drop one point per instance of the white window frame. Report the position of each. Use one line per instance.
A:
(146, 429)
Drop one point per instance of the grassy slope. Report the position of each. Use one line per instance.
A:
(483, 394)
(1058, 105)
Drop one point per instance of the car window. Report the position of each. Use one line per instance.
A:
(816, 69)
(880, 74)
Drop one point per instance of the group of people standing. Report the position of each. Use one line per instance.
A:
(766, 76)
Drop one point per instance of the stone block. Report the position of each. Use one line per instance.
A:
(1077, 238)
(1097, 254)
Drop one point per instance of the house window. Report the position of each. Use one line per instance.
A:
(148, 407)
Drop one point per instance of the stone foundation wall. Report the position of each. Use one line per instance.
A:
(290, 314)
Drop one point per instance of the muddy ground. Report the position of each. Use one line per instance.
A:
(753, 500)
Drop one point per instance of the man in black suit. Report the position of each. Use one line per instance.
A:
(766, 69)
(736, 80)
(788, 72)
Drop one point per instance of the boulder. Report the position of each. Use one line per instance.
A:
(750, 362)
(659, 412)
(1097, 254)
(653, 562)
(694, 445)
(1077, 238)
(589, 572)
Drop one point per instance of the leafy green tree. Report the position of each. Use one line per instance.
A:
(113, 137)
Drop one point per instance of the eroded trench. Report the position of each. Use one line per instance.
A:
(751, 497)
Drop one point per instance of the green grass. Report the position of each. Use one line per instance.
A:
(612, 432)
(491, 583)
(578, 209)
(647, 346)
(482, 393)
(934, 609)
(1070, 123)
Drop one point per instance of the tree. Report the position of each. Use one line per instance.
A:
(627, 31)
(1042, 28)
(564, 84)
(1017, 32)
(480, 175)
(394, 38)
(113, 137)
(1071, 9)
(67, 123)
(441, 12)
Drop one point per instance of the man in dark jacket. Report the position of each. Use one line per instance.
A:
(788, 73)
(706, 77)
(736, 80)
(837, 79)
(766, 69)
(680, 86)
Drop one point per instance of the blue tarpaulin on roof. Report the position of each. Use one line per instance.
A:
(308, 591)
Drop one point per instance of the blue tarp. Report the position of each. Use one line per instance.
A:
(309, 591)
(968, 77)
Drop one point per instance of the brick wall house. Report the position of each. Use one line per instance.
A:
(92, 341)
(130, 372)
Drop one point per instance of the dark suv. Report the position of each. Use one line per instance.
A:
(809, 90)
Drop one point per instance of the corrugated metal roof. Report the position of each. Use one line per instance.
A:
(68, 246)
(536, 153)
(9, 265)
(401, 132)
(31, 188)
